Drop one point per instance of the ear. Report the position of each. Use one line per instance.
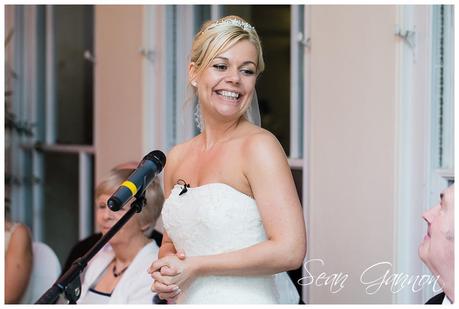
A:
(192, 68)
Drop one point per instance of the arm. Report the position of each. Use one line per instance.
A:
(268, 173)
(167, 249)
(167, 246)
(18, 264)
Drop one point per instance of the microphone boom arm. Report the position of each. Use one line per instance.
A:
(69, 283)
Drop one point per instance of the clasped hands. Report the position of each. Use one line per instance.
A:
(171, 274)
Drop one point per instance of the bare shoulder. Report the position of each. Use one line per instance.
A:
(263, 157)
(178, 152)
(22, 230)
(261, 142)
(175, 156)
(21, 237)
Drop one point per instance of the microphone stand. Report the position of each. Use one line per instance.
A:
(69, 283)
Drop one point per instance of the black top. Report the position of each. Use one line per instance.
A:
(436, 300)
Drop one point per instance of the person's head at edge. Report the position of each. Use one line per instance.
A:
(437, 248)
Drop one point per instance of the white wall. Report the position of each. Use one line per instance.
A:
(118, 86)
(353, 146)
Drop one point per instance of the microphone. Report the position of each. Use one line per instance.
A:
(151, 165)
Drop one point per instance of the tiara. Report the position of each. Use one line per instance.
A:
(234, 22)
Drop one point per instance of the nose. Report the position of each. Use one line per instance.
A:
(233, 76)
(107, 214)
(430, 214)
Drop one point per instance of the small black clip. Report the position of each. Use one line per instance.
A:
(184, 184)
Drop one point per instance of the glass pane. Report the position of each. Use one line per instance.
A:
(201, 14)
(73, 31)
(27, 183)
(298, 179)
(273, 87)
(60, 202)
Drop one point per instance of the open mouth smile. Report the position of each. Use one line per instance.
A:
(228, 95)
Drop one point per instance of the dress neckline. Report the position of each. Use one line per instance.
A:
(217, 184)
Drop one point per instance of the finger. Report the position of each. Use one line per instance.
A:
(156, 265)
(152, 268)
(170, 296)
(173, 299)
(167, 280)
(168, 271)
(181, 254)
(160, 287)
(157, 276)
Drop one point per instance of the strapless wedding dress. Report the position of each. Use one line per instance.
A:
(213, 219)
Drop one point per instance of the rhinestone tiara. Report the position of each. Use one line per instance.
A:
(235, 22)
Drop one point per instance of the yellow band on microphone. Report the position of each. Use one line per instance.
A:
(131, 186)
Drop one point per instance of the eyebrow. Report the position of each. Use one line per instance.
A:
(245, 62)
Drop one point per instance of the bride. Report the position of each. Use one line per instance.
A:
(232, 208)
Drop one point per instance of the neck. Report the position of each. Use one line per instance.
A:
(215, 133)
(126, 252)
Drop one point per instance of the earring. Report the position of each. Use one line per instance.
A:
(194, 83)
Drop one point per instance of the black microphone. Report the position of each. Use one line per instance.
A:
(151, 165)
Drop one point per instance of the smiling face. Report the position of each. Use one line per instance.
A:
(437, 248)
(226, 87)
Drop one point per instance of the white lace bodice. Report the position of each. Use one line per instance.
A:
(216, 218)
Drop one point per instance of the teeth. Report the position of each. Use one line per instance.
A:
(229, 94)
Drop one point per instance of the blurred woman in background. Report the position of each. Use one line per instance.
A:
(18, 258)
(117, 274)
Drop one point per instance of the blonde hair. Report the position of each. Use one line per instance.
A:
(153, 194)
(216, 36)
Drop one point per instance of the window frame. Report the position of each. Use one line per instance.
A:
(28, 108)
